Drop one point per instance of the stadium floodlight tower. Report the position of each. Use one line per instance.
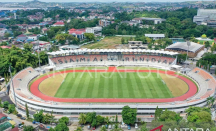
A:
(188, 44)
(38, 53)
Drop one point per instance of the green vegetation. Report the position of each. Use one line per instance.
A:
(207, 61)
(107, 43)
(113, 85)
(20, 59)
(129, 115)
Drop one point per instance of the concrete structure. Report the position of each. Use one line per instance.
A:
(94, 30)
(205, 17)
(137, 45)
(22, 37)
(33, 37)
(60, 23)
(182, 48)
(155, 36)
(155, 20)
(104, 23)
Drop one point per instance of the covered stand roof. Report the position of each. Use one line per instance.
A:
(194, 47)
(111, 50)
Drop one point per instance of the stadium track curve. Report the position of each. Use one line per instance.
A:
(191, 92)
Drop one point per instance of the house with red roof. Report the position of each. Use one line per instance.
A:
(78, 33)
(59, 23)
(5, 47)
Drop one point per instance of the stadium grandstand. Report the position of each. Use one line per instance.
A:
(205, 83)
(112, 57)
(183, 48)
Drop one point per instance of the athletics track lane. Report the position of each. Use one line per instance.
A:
(191, 92)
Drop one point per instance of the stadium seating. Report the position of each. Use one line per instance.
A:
(129, 57)
(70, 59)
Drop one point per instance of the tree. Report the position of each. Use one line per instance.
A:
(210, 101)
(6, 104)
(51, 129)
(169, 116)
(158, 112)
(103, 128)
(116, 120)
(61, 127)
(90, 117)
(11, 108)
(82, 118)
(27, 111)
(99, 120)
(89, 36)
(129, 115)
(38, 117)
(64, 120)
(94, 123)
(28, 128)
(50, 34)
(202, 116)
(207, 44)
(79, 129)
(143, 128)
(6, 35)
(122, 40)
(116, 128)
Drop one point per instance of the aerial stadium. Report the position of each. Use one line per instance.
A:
(105, 80)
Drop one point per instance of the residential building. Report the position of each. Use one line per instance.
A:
(155, 36)
(33, 37)
(2, 31)
(41, 45)
(60, 23)
(95, 30)
(47, 19)
(44, 30)
(78, 33)
(104, 23)
(3, 25)
(22, 37)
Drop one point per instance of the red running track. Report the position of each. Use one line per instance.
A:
(192, 89)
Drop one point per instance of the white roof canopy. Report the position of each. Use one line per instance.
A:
(111, 50)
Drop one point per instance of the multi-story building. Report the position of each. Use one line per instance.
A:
(205, 17)
(104, 23)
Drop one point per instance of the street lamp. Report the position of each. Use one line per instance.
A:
(38, 54)
(12, 86)
(188, 44)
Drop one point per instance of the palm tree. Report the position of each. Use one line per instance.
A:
(82, 118)
(103, 128)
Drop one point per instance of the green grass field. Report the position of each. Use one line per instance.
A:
(113, 85)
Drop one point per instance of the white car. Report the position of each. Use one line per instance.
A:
(2, 79)
(136, 126)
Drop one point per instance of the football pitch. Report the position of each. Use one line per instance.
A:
(113, 85)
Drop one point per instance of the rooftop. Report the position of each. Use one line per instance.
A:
(155, 35)
(194, 47)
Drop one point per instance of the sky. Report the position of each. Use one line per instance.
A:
(103, 0)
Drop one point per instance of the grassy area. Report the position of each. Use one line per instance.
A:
(202, 42)
(175, 85)
(113, 85)
(107, 43)
(54, 83)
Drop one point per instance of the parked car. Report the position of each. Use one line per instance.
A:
(93, 128)
(2, 79)
(19, 115)
(23, 118)
(136, 126)
(129, 127)
(110, 126)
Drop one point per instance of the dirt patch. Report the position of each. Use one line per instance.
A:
(51, 85)
(177, 86)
